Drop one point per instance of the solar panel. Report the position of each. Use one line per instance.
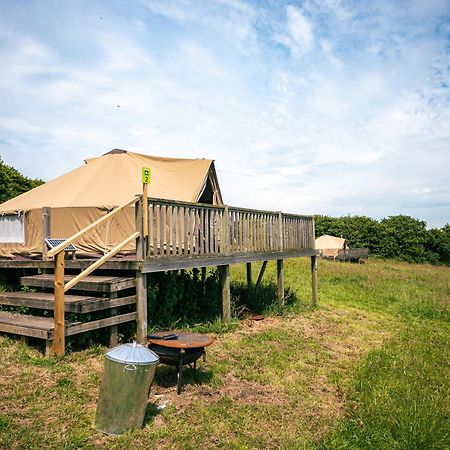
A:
(53, 242)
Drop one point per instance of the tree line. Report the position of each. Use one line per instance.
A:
(13, 183)
(401, 237)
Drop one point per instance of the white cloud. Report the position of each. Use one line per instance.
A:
(298, 36)
(354, 120)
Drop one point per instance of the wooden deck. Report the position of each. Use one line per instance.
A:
(169, 236)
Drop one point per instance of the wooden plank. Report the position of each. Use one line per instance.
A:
(113, 329)
(202, 231)
(78, 327)
(192, 231)
(72, 303)
(106, 303)
(176, 231)
(173, 230)
(211, 231)
(154, 236)
(186, 231)
(314, 280)
(164, 264)
(100, 261)
(261, 273)
(207, 246)
(164, 237)
(59, 338)
(280, 232)
(78, 264)
(140, 243)
(141, 307)
(92, 283)
(225, 244)
(280, 282)
(225, 279)
(76, 236)
(25, 325)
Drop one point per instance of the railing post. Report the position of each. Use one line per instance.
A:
(226, 230)
(280, 230)
(58, 314)
(46, 230)
(141, 279)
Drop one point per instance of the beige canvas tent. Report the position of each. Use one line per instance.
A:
(329, 246)
(81, 196)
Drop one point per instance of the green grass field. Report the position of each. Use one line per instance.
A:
(367, 369)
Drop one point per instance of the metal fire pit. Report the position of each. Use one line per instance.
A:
(178, 349)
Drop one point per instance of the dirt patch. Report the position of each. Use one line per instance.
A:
(238, 390)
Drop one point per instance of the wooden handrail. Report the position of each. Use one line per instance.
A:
(61, 288)
(99, 262)
(59, 248)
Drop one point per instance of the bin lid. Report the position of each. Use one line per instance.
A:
(132, 353)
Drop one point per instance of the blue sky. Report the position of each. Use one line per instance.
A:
(325, 106)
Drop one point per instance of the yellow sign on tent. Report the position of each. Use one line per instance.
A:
(146, 175)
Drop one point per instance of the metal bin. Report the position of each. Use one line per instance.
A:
(128, 374)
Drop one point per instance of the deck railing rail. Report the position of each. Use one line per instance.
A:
(182, 229)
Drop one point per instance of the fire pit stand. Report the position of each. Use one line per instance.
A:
(178, 349)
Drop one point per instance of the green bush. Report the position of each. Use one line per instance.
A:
(13, 183)
(400, 237)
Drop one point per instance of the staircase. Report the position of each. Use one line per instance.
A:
(94, 293)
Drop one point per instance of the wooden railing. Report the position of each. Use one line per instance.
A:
(182, 229)
(61, 287)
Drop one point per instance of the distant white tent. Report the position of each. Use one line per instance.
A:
(329, 246)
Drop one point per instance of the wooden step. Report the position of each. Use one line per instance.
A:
(72, 303)
(26, 325)
(42, 327)
(92, 283)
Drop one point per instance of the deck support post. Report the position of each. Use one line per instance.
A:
(261, 273)
(280, 279)
(204, 281)
(141, 279)
(59, 338)
(113, 329)
(249, 274)
(48, 347)
(225, 279)
(141, 307)
(314, 280)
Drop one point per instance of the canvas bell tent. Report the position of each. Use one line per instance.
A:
(329, 246)
(78, 198)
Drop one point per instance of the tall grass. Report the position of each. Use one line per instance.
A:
(367, 369)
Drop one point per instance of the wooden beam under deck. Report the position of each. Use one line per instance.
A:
(176, 263)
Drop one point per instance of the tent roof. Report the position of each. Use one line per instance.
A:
(329, 242)
(115, 177)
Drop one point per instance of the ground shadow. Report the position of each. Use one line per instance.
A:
(150, 413)
(166, 376)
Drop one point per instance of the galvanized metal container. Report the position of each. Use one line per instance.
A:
(128, 374)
